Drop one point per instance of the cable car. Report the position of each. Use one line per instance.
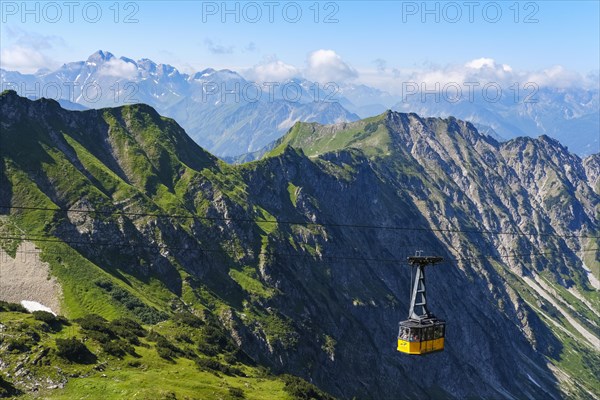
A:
(422, 332)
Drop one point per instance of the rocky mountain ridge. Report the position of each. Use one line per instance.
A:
(301, 254)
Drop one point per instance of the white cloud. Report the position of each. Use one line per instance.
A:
(119, 68)
(217, 48)
(321, 66)
(328, 66)
(271, 70)
(558, 76)
(24, 59)
(24, 51)
(481, 70)
(34, 40)
(251, 47)
(380, 64)
(480, 63)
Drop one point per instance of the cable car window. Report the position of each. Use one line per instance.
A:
(429, 333)
(405, 334)
(415, 335)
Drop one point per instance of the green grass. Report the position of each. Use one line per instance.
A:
(576, 359)
(9, 230)
(144, 376)
(278, 328)
(77, 276)
(369, 135)
(109, 182)
(265, 221)
(582, 365)
(157, 379)
(293, 192)
(247, 279)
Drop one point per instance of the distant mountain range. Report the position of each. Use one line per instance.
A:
(222, 111)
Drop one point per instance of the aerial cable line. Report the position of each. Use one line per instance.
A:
(302, 223)
(51, 239)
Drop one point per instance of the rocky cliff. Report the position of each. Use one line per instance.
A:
(301, 255)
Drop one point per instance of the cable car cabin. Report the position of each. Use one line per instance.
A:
(422, 332)
(421, 337)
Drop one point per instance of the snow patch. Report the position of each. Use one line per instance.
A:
(35, 306)
(592, 278)
(533, 380)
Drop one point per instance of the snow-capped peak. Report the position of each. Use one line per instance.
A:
(99, 57)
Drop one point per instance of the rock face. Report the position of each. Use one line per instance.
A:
(570, 115)
(302, 254)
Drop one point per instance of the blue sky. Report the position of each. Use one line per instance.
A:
(369, 38)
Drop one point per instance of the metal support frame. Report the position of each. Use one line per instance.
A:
(418, 303)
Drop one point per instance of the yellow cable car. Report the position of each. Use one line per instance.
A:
(422, 332)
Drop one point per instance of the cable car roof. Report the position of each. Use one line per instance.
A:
(411, 323)
(424, 260)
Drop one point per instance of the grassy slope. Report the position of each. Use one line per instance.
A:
(145, 376)
(158, 165)
(369, 134)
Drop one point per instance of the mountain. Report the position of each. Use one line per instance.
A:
(232, 116)
(363, 100)
(233, 129)
(221, 110)
(300, 257)
(572, 115)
